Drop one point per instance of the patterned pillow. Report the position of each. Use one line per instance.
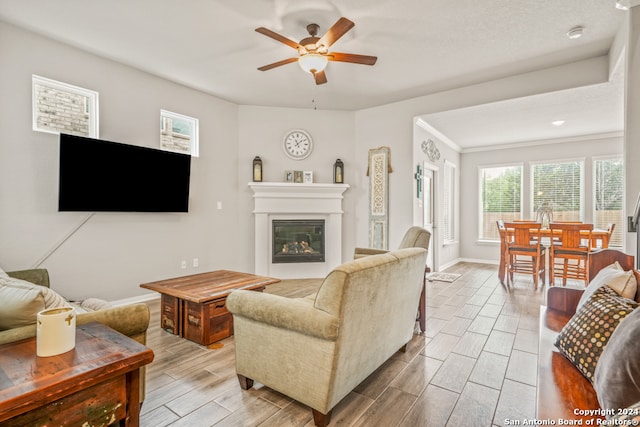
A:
(585, 336)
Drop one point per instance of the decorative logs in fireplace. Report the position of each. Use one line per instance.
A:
(298, 240)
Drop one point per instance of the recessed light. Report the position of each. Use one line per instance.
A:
(575, 32)
(557, 122)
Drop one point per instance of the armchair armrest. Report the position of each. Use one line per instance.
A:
(288, 313)
(362, 252)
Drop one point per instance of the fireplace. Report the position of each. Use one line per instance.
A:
(302, 208)
(298, 240)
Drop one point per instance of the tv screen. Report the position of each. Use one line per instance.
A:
(105, 176)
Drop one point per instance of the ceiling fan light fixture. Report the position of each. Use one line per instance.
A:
(313, 62)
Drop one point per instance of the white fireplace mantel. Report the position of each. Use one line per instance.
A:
(283, 200)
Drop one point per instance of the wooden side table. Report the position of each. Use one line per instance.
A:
(96, 383)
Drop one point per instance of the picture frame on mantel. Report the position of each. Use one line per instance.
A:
(298, 177)
(288, 176)
(307, 177)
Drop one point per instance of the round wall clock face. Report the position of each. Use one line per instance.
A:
(297, 144)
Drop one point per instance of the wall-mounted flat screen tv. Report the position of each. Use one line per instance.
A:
(105, 176)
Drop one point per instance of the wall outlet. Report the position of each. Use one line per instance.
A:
(195, 262)
(183, 264)
(219, 205)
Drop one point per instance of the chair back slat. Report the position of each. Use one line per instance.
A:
(524, 233)
(572, 236)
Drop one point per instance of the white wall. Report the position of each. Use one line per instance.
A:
(113, 252)
(577, 148)
(444, 254)
(261, 133)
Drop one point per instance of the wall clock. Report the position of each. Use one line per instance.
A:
(297, 144)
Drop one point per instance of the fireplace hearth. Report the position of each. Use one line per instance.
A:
(298, 241)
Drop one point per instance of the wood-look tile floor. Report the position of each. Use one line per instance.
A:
(474, 365)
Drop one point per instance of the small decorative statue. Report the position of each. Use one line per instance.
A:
(544, 214)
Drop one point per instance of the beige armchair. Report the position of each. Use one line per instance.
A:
(317, 350)
(415, 237)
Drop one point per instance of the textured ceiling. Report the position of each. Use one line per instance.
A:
(422, 46)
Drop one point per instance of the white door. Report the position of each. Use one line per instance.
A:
(429, 220)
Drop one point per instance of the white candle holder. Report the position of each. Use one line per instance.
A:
(55, 331)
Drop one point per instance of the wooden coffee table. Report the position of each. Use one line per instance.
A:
(96, 383)
(194, 307)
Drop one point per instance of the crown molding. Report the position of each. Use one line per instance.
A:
(522, 144)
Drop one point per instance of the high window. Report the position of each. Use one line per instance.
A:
(500, 198)
(63, 108)
(559, 185)
(608, 194)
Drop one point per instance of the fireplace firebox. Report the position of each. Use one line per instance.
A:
(298, 240)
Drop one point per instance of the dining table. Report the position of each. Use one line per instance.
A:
(546, 235)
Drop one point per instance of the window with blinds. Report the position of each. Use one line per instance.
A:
(501, 198)
(608, 194)
(561, 186)
(448, 209)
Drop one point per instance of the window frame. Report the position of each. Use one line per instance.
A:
(481, 212)
(91, 105)
(194, 137)
(619, 224)
(449, 228)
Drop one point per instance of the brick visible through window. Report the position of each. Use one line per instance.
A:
(62, 108)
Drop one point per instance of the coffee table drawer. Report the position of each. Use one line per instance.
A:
(207, 323)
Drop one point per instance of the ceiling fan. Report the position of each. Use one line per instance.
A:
(314, 52)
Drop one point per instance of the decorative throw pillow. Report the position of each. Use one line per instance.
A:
(585, 336)
(617, 375)
(20, 302)
(623, 282)
(52, 299)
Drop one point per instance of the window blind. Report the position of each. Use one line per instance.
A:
(561, 185)
(608, 178)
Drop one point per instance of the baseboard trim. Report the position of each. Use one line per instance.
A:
(135, 300)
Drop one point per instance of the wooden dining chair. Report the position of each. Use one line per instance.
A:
(502, 266)
(524, 251)
(571, 250)
(600, 242)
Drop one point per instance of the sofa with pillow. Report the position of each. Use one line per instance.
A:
(588, 363)
(24, 293)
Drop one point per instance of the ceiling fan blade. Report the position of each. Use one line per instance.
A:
(277, 64)
(338, 30)
(282, 39)
(320, 77)
(352, 57)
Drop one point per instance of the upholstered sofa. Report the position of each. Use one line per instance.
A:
(318, 349)
(35, 294)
